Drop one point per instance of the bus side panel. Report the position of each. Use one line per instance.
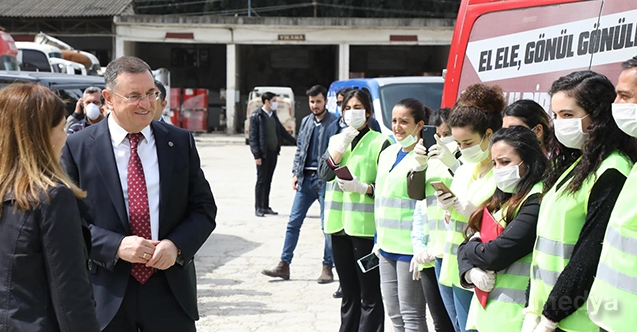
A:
(493, 27)
(617, 30)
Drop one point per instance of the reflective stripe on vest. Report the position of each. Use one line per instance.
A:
(508, 295)
(554, 248)
(624, 244)
(518, 268)
(617, 279)
(394, 210)
(561, 219)
(349, 211)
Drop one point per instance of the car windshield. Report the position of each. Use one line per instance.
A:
(55, 55)
(429, 94)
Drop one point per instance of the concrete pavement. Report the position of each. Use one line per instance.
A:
(233, 294)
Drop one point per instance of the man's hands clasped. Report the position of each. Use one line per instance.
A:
(160, 255)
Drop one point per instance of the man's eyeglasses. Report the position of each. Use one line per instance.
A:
(136, 99)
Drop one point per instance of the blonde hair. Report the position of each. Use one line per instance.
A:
(28, 167)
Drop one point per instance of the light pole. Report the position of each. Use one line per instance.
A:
(249, 8)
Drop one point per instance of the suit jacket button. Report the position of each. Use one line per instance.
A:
(89, 264)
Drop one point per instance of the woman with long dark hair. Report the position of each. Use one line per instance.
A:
(519, 164)
(590, 160)
(527, 113)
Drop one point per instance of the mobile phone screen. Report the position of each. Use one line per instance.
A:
(369, 262)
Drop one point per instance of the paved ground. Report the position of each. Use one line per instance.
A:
(233, 294)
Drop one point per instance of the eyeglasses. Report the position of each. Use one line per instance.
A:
(136, 99)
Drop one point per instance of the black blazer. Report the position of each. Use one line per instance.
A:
(187, 210)
(256, 136)
(44, 283)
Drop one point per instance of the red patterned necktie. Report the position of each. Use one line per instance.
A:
(138, 211)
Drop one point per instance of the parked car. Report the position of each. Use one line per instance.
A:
(69, 87)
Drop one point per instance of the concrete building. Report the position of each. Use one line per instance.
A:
(234, 54)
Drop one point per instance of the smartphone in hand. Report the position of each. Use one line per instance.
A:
(438, 185)
(368, 262)
(427, 134)
(343, 173)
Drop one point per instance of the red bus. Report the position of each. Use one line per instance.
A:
(8, 52)
(525, 45)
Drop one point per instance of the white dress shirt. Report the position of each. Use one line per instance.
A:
(148, 154)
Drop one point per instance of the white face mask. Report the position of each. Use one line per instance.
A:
(409, 140)
(625, 116)
(570, 133)
(92, 111)
(507, 178)
(354, 118)
(449, 142)
(475, 154)
(274, 105)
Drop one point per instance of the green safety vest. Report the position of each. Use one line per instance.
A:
(507, 299)
(394, 210)
(435, 224)
(351, 211)
(614, 291)
(477, 191)
(560, 221)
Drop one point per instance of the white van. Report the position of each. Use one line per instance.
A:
(29, 51)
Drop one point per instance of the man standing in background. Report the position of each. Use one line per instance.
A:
(266, 136)
(307, 184)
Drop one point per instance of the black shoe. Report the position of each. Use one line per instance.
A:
(338, 294)
(259, 213)
(270, 211)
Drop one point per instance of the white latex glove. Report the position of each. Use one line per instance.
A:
(414, 268)
(439, 151)
(484, 280)
(355, 185)
(376, 250)
(530, 321)
(465, 208)
(420, 157)
(475, 235)
(545, 325)
(424, 257)
(343, 141)
(445, 200)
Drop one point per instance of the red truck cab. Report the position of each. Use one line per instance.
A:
(8, 52)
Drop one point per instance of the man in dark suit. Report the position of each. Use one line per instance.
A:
(151, 206)
(265, 137)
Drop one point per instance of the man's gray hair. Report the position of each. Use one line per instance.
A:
(125, 64)
(92, 89)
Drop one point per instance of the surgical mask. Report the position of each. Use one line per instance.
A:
(447, 139)
(570, 133)
(92, 111)
(274, 105)
(475, 154)
(354, 118)
(507, 178)
(625, 116)
(409, 140)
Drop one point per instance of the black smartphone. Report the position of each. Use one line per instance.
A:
(369, 262)
(427, 134)
(343, 173)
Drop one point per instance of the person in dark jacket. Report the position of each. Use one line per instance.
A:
(309, 187)
(44, 241)
(266, 136)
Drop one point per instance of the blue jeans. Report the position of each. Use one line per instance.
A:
(309, 191)
(462, 301)
(447, 297)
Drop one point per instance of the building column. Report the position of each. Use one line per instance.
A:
(231, 88)
(343, 62)
(122, 47)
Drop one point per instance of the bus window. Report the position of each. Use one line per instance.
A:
(429, 94)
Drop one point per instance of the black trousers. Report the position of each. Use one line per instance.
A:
(150, 307)
(265, 171)
(362, 304)
(429, 283)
